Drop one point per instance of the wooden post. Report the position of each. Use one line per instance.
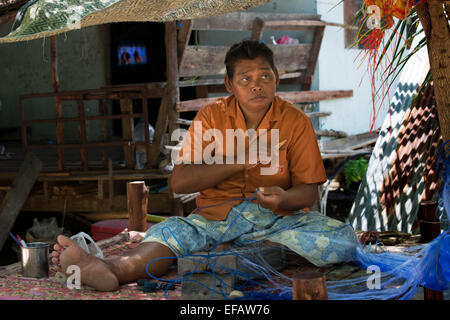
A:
(430, 228)
(437, 33)
(137, 201)
(257, 29)
(59, 114)
(147, 134)
(309, 286)
(82, 134)
(100, 189)
(126, 107)
(110, 184)
(101, 110)
(167, 114)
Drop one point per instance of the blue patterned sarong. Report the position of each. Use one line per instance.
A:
(318, 238)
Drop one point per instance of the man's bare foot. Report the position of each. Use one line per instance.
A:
(95, 272)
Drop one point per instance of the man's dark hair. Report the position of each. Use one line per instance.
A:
(247, 50)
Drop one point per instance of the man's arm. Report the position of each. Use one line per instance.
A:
(298, 197)
(190, 178)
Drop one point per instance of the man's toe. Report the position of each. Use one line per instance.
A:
(64, 241)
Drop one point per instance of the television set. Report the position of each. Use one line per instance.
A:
(129, 55)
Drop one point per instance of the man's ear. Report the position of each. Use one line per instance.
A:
(228, 84)
(277, 76)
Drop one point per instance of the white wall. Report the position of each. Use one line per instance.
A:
(338, 70)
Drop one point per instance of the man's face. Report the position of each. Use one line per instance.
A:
(254, 84)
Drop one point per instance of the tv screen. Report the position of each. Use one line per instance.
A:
(131, 55)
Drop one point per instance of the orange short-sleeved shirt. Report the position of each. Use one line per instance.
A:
(299, 161)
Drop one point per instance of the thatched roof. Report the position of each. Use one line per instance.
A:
(49, 17)
(6, 5)
(8, 10)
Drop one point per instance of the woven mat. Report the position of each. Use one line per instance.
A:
(44, 18)
(14, 286)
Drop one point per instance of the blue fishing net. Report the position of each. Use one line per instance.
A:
(390, 275)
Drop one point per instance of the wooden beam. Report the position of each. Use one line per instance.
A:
(217, 84)
(293, 97)
(184, 35)
(208, 60)
(108, 176)
(15, 198)
(317, 114)
(331, 133)
(350, 143)
(292, 24)
(158, 203)
(244, 20)
(314, 54)
(314, 96)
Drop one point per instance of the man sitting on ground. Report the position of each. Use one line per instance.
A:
(241, 199)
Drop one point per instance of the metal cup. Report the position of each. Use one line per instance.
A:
(35, 260)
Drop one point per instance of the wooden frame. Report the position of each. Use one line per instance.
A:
(125, 95)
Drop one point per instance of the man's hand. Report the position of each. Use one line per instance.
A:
(297, 197)
(270, 197)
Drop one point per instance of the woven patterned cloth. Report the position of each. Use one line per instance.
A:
(395, 182)
(44, 18)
